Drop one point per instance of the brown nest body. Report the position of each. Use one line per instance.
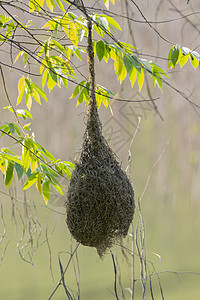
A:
(100, 200)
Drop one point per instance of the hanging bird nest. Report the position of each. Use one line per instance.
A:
(100, 199)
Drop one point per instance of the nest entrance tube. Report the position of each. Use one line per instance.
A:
(100, 199)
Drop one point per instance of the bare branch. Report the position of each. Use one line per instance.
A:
(63, 273)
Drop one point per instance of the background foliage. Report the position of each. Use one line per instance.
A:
(43, 44)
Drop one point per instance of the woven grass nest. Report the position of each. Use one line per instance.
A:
(100, 199)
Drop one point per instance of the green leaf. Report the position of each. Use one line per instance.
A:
(21, 89)
(77, 89)
(46, 191)
(183, 60)
(9, 173)
(60, 5)
(25, 58)
(82, 96)
(46, 153)
(118, 64)
(38, 184)
(103, 22)
(135, 63)
(26, 127)
(29, 85)
(31, 180)
(157, 79)
(194, 60)
(59, 46)
(175, 55)
(40, 4)
(24, 113)
(11, 127)
(11, 158)
(146, 65)
(31, 6)
(40, 91)
(49, 172)
(19, 170)
(112, 22)
(128, 63)
(36, 96)
(58, 188)
(50, 4)
(53, 75)
(65, 168)
(65, 82)
(18, 55)
(73, 34)
(70, 164)
(123, 73)
(106, 2)
(20, 96)
(50, 83)
(98, 30)
(17, 130)
(140, 79)
(100, 49)
(28, 99)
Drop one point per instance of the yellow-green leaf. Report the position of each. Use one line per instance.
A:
(50, 5)
(29, 101)
(18, 55)
(21, 84)
(26, 126)
(32, 179)
(183, 60)
(73, 34)
(50, 83)
(133, 75)
(40, 4)
(112, 22)
(140, 79)
(194, 61)
(46, 191)
(123, 74)
(9, 173)
(36, 96)
(38, 184)
(27, 160)
(31, 6)
(106, 2)
(34, 165)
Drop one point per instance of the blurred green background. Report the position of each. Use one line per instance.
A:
(170, 205)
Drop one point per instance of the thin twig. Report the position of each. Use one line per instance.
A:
(63, 274)
(50, 255)
(129, 149)
(158, 33)
(63, 280)
(149, 176)
(133, 263)
(115, 272)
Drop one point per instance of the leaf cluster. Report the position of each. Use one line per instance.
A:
(180, 55)
(56, 52)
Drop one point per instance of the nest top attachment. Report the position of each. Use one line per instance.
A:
(100, 199)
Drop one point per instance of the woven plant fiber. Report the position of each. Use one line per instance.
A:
(100, 199)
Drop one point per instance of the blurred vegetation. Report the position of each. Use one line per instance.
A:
(170, 205)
